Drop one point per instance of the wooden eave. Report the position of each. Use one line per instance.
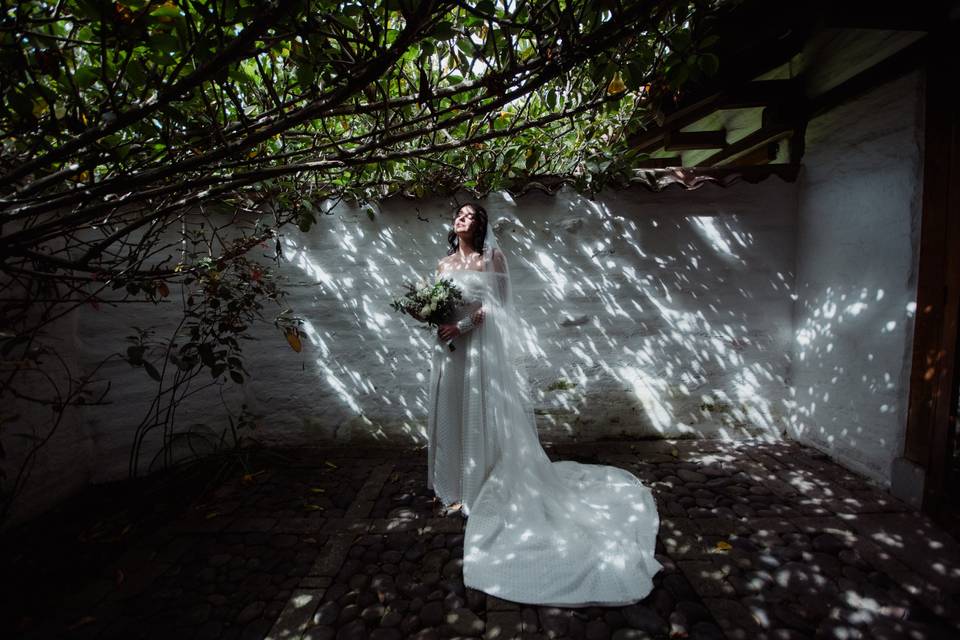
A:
(785, 104)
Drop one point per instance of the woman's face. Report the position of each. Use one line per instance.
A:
(465, 220)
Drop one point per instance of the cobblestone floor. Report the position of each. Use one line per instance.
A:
(757, 541)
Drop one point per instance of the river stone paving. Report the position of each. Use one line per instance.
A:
(757, 540)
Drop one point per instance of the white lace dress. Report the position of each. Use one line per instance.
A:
(459, 455)
(542, 532)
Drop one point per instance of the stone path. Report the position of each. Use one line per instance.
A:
(757, 540)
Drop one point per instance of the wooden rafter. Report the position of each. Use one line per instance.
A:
(747, 144)
(786, 112)
(752, 94)
(907, 59)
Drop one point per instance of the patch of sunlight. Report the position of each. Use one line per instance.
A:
(652, 401)
(328, 374)
(707, 227)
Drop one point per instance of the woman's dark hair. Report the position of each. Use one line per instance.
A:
(479, 232)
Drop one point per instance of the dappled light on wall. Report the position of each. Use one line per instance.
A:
(640, 319)
(842, 341)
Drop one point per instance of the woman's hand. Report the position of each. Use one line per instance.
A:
(447, 332)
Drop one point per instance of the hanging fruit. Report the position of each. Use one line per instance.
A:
(616, 85)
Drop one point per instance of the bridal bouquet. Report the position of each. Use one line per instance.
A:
(433, 303)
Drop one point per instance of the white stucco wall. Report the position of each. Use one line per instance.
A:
(669, 313)
(858, 231)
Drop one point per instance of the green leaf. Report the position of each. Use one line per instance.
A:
(166, 11)
(466, 45)
(85, 76)
(165, 42)
(135, 73)
(151, 370)
(20, 103)
(709, 63)
(709, 41)
(444, 31)
(680, 40)
(306, 75)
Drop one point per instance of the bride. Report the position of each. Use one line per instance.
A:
(537, 532)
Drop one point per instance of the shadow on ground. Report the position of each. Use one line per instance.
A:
(757, 541)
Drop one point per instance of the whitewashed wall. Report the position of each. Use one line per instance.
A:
(659, 315)
(668, 315)
(858, 232)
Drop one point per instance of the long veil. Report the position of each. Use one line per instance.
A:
(552, 533)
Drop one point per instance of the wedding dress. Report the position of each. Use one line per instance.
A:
(537, 532)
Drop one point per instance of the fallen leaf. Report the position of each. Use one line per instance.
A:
(723, 545)
(294, 340)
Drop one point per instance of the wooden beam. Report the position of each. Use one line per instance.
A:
(785, 118)
(653, 138)
(688, 140)
(751, 94)
(771, 92)
(870, 14)
(763, 154)
(894, 66)
(747, 144)
(761, 93)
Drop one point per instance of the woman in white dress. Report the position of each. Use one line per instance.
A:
(539, 532)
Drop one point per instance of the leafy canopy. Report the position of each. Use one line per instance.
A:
(112, 104)
(124, 124)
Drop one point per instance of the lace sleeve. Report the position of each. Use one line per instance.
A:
(465, 324)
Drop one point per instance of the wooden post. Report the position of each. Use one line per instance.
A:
(933, 382)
